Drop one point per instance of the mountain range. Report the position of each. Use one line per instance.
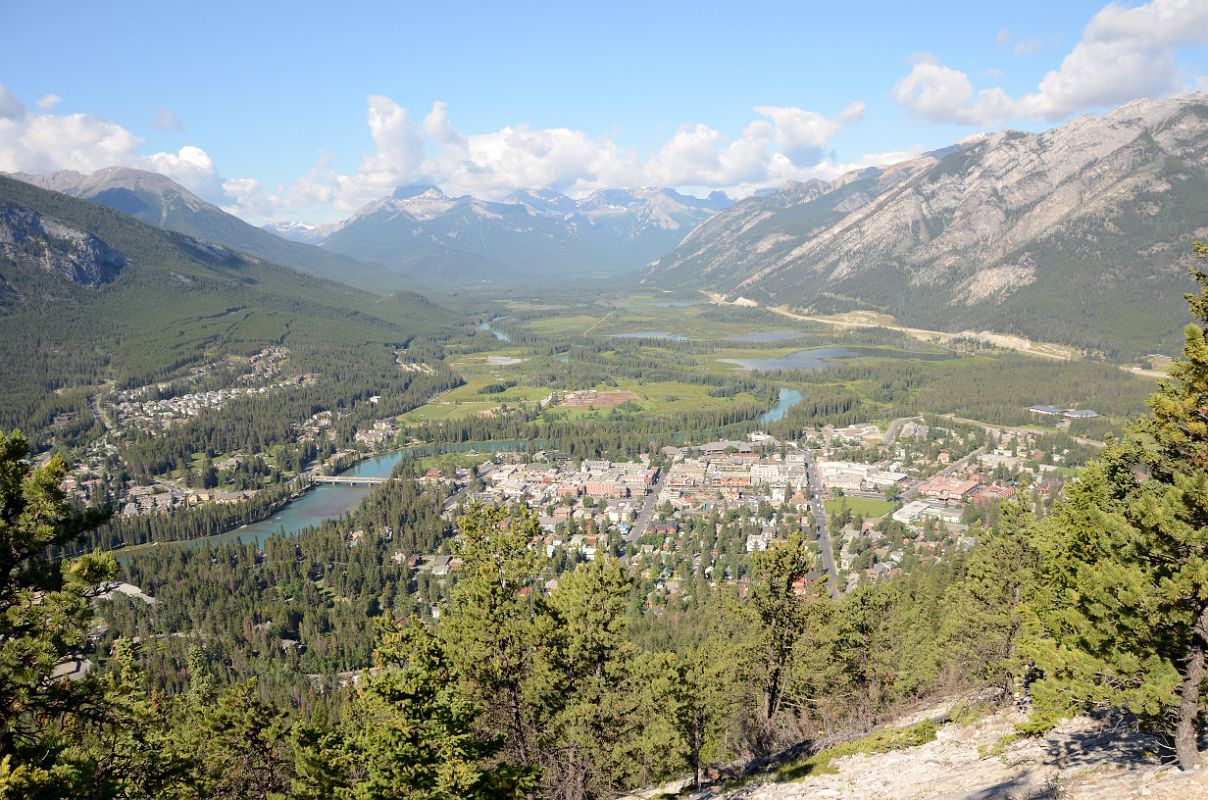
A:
(1081, 234)
(421, 232)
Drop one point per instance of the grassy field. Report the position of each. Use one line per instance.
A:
(468, 399)
(864, 506)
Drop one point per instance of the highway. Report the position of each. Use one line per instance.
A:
(820, 531)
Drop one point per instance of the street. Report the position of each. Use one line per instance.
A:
(820, 527)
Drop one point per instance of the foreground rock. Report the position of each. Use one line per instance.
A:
(1083, 759)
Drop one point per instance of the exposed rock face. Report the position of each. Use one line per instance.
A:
(1026, 233)
(1081, 759)
(28, 238)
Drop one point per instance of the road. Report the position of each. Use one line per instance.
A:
(94, 403)
(644, 516)
(820, 526)
(895, 428)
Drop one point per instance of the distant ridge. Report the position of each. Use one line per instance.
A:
(420, 231)
(160, 201)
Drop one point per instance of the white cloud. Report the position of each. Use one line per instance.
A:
(165, 120)
(779, 143)
(47, 142)
(10, 107)
(1002, 37)
(1027, 46)
(803, 135)
(49, 101)
(782, 143)
(1124, 53)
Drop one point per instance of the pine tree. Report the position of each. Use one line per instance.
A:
(593, 664)
(1124, 589)
(984, 614)
(414, 737)
(44, 620)
(781, 611)
(490, 627)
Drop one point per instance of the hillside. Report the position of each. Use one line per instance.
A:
(159, 201)
(423, 233)
(90, 295)
(1080, 235)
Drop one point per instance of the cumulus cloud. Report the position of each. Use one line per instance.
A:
(1124, 53)
(781, 143)
(49, 101)
(165, 120)
(11, 108)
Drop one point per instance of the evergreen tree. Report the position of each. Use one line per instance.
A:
(45, 615)
(492, 626)
(409, 735)
(1124, 589)
(781, 610)
(984, 613)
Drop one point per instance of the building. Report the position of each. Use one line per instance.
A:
(1081, 413)
(1047, 411)
(948, 488)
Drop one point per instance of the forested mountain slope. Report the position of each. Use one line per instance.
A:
(1078, 234)
(90, 295)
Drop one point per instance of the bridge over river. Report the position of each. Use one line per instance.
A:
(350, 480)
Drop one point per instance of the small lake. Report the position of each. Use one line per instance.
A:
(822, 357)
(674, 303)
(787, 399)
(671, 337)
(776, 335)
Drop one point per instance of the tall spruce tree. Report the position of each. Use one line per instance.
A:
(1123, 593)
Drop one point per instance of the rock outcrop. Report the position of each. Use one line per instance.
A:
(30, 239)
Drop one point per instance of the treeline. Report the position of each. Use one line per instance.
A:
(998, 391)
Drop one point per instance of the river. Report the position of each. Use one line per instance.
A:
(326, 501)
(787, 399)
(500, 335)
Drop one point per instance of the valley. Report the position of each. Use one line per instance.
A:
(533, 465)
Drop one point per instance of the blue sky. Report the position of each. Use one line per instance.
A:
(299, 110)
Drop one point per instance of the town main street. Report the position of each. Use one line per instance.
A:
(644, 516)
(820, 526)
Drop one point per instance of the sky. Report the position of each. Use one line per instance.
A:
(307, 111)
